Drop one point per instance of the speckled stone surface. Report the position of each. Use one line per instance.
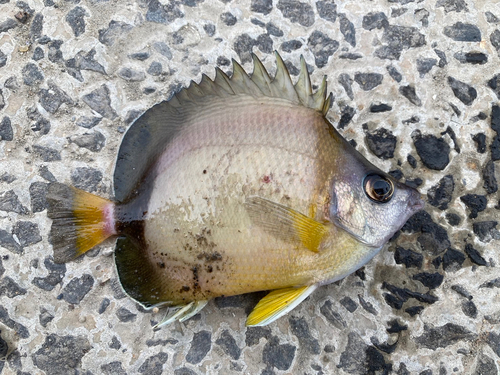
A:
(417, 90)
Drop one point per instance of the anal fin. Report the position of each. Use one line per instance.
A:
(181, 313)
(278, 303)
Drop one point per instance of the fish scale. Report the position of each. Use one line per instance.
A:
(233, 186)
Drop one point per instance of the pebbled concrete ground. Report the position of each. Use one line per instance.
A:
(417, 88)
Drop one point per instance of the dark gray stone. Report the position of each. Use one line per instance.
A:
(349, 304)
(47, 154)
(209, 29)
(353, 358)
(395, 75)
(467, 94)
(274, 30)
(10, 288)
(495, 40)
(113, 368)
(104, 305)
(442, 58)
(163, 13)
(398, 38)
(346, 81)
(453, 260)
(31, 74)
(86, 178)
(490, 181)
(463, 32)
(485, 365)
(278, 356)
(3, 60)
(75, 19)
(200, 346)
(228, 18)
(409, 93)
(140, 56)
(469, 309)
(491, 18)
(408, 257)
(46, 174)
(452, 5)
(261, 6)
(292, 45)
(300, 328)
(6, 131)
(296, 11)
(131, 75)
(429, 280)
(2, 269)
(375, 21)
(228, 344)
(42, 125)
(367, 305)
(381, 142)
(100, 102)
(332, 316)
(163, 49)
(184, 371)
(327, 10)
(322, 47)
(254, 334)
(243, 46)
(115, 31)
(55, 54)
(443, 336)
(88, 122)
(425, 65)
(53, 98)
(61, 355)
(92, 141)
(36, 27)
(27, 233)
(433, 151)
(8, 178)
(155, 69)
(368, 81)
(347, 29)
(422, 15)
(124, 315)
(475, 203)
(115, 343)
(7, 241)
(8, 24)
(38, 54)
(453, 219)
(265, 43)
(440, 195)
(9, 202)
(381, 107)
(486, 230)
(475, 58)
(55, 276)
(83, 61)
(77, 289)
(45, 317)
(18, 328)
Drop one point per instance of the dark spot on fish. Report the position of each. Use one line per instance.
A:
(266, 179)
(209, 269)
(185, 288)
(204, 171)
(213, 257)
(161, 264)
(196, 283)
(176, 230)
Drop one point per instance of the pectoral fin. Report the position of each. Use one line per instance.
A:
(278, 303)
(286, 223)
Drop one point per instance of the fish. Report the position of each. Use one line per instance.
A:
(235, 185)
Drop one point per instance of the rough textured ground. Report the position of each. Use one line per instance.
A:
(416, 86)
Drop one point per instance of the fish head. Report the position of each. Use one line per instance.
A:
(370, 204)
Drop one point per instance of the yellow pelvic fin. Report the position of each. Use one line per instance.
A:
(81, 221)
(278, 303)
(286, 223)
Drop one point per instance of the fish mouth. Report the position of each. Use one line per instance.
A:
(416, 203)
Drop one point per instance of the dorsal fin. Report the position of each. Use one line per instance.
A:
(155, 128)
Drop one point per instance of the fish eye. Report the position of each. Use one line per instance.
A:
(378, 188)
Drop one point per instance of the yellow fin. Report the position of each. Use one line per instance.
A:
(286, 223)
(80, 221)
(278, 303)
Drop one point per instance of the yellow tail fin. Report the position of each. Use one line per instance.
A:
(80, 221)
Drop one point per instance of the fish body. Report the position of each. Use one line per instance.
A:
(240, 185)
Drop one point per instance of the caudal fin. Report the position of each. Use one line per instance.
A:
(80, 221)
